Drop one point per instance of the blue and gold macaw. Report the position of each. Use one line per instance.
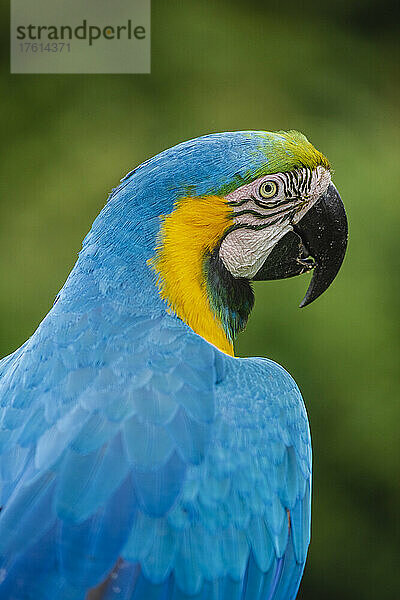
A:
(140, 460)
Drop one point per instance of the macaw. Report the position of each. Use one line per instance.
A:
(140, 459)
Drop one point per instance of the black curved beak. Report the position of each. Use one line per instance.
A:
(318, 242)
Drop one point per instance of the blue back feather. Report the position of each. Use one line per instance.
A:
(131, 450)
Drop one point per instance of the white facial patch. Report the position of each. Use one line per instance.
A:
(264, 211)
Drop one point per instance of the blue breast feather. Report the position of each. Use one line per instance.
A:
(131, 446)
(134, 453)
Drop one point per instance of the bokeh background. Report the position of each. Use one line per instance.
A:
(330, 70)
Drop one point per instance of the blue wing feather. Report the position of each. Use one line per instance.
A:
(149, 451)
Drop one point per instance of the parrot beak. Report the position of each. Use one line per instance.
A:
(318, 241)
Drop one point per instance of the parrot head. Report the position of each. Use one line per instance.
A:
(226, 209)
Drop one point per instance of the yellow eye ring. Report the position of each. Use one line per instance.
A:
(268, 189)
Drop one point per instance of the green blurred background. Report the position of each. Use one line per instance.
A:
(331, 71)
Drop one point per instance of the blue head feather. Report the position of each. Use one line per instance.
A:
(124, 235)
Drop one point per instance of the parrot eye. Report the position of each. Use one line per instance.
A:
(268, 189)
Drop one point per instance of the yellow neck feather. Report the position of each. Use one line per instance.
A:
(194, 228)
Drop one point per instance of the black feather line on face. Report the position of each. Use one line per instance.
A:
(295, 185)
(268, 205)
(268, 215)
(238, 202)
(283, 181)
(308, 181)
(291, 182)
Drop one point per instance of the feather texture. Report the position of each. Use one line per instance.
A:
(138, 461)
(114, 473)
